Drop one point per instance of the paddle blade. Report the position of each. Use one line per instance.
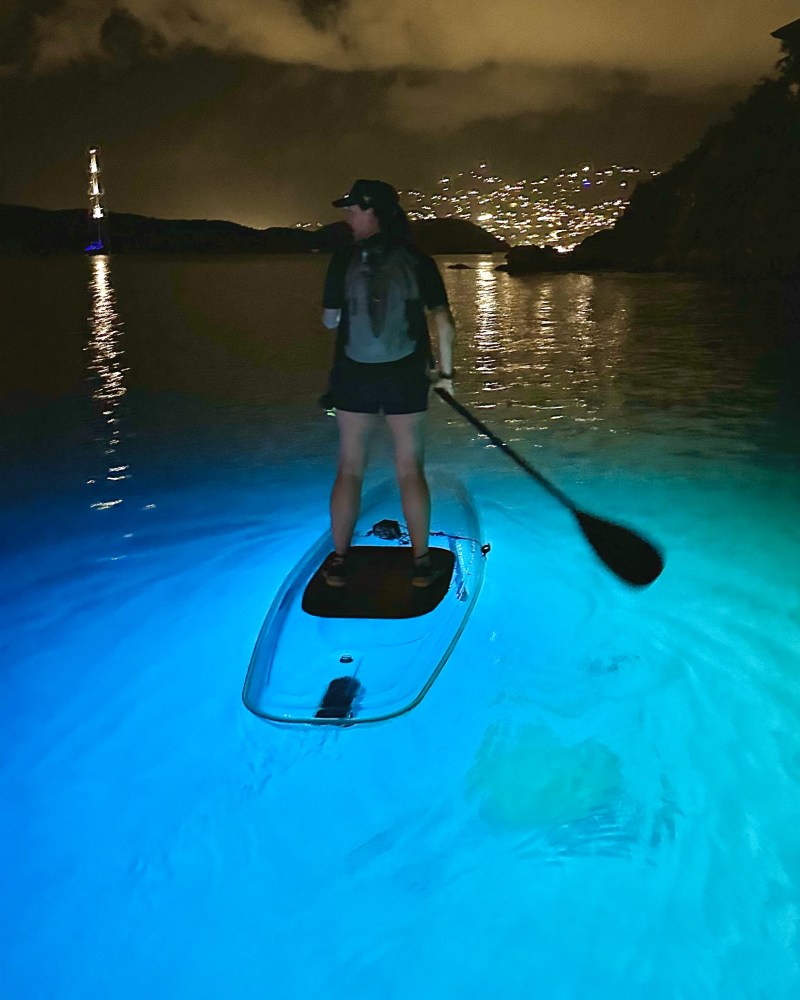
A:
(624, 552)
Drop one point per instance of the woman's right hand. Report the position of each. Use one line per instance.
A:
(443, 383)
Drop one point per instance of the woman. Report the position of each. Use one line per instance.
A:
(377, 292)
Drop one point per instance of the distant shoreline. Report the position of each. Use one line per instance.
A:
(44, 232)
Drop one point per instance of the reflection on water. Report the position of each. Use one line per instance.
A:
(552, 346)
(107, 378)
(586, 357)
(487, 314)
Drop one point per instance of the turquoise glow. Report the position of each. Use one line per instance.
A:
(597, 797)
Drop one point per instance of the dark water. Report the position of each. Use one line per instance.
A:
(212, 349)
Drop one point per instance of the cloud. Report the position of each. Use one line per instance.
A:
(273, 29)
(454, 60)
(433, 102)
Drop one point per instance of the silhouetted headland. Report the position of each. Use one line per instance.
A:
(41, 231)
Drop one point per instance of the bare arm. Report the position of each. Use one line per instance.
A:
(331, 317)
(444, 326)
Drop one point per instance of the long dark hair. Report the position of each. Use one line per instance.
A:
(395, 226)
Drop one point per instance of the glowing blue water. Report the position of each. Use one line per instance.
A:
(598, 796)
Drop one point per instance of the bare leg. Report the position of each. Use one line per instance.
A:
(408, 432)
(354, 433)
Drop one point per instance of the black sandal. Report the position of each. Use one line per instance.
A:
(334, 570)
(425, 573)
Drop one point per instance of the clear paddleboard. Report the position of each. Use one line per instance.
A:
(368, 651)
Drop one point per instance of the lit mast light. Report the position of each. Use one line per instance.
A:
(97, 214)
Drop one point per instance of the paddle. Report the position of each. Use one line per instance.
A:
(625, 553)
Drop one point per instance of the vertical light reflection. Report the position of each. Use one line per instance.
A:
(488, 335)
(581, 340)
(486, 328)
(550, 349)
(107, 378)
(599, 329)
(583, 290)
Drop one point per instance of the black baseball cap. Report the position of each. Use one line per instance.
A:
(370, 194)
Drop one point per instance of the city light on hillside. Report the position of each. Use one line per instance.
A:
(556, 210)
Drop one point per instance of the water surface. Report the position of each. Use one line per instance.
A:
(597, 798)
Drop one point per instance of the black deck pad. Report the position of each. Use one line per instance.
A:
(379, 585)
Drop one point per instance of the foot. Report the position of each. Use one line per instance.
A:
(334, 570)
(425, 573)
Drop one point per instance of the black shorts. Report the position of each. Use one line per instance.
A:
(391, 387)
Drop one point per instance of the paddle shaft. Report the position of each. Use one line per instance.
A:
(624, 552)
(501, 444)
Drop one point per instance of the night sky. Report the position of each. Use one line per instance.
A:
(261, 111)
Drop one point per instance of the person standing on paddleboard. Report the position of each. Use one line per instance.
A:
(378, 295)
